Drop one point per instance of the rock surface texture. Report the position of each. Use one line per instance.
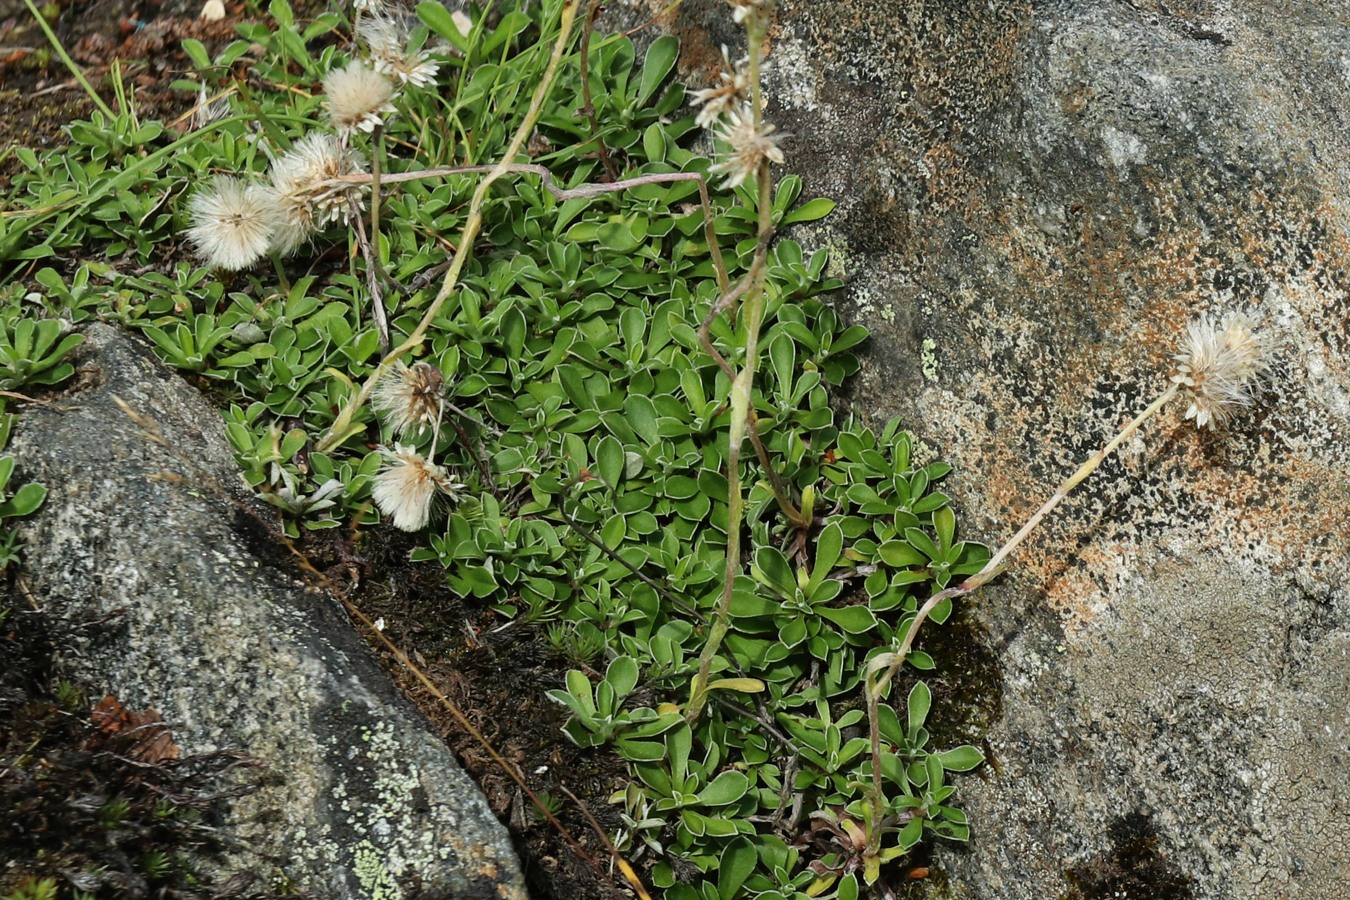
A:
(211, 625)
(1034, 199)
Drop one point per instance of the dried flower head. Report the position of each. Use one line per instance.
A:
(307, 198)
(750, 146)
(731, 91)
(232, 222)
(410, 396)
(358, 97)
(387, 39)
(1221, 368)
(746, 9)
(404, 488)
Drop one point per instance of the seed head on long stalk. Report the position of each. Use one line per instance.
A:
(1221, 368)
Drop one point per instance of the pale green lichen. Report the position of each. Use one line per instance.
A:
(839, 263)
(377, 882)
(928, 359)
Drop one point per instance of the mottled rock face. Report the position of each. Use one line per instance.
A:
(1034, 198)
(210, 625)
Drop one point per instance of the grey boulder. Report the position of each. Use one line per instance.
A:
(213, 626)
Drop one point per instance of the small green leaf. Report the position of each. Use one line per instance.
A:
(829, 547)
(933, 766)
(852, 619)
(911, 833)
(727, 787)
(900, 553)
(641, 751)
(923, 543)
(609, 461)
(944, 523)
(196, 52)
(25, 500)
(656, 67)
(641, 416)
(622, 675)
(783, 358)
(678, 744)
(773, 569)
(920, 700)
(961, 759)
(809, 211)
(654, 143)
(739, 859)
(579, 687)
(436, 17)
(921, 661)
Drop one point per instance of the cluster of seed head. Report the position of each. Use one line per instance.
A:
(731, 92)
(235, 223)
(728, 110)
(409, 399)
(1222, 366)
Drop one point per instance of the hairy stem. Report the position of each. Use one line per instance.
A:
(587, 107)
(742, 390)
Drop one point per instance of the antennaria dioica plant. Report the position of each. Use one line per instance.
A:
(520, 317)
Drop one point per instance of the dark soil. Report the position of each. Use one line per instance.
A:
(92, 791)
(141, 37)
(496, 673)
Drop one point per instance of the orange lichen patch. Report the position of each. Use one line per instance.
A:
(1076, 597)
(1315, 526)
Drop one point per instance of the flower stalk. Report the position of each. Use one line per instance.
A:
(752, 303)
(1219, 371)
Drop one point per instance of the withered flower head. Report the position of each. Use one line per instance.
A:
(731, 91)
(410, 396)
(751, 145)
(1221, 368)
(307, 198)
(232, 222)
(404, 488)
(741, 10)
(387, 39)
(358, 97)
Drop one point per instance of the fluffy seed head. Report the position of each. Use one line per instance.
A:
(750, 146)
(232, 222)
(410, 396)
(731, 91)
(1221, 367)
(387, 39)
(358, 97)
(306, 200)
(404, 488)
